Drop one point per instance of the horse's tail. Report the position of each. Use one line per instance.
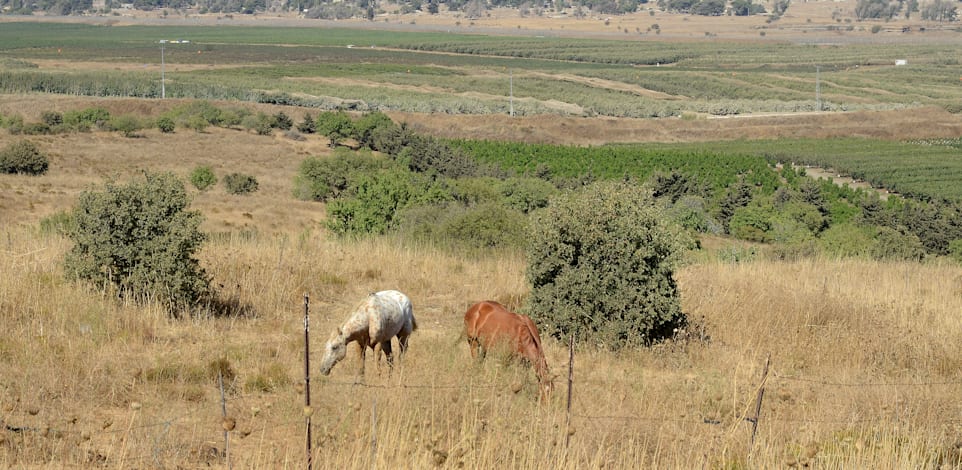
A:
(414, 323)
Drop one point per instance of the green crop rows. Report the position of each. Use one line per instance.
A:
(462, 73)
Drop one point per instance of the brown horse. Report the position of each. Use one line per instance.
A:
(488, 323)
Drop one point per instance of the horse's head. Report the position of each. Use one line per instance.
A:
(334, 351)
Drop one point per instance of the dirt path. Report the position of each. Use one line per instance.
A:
(840, 180)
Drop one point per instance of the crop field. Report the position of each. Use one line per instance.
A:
(472, 74)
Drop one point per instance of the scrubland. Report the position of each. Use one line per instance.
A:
(864, 368)
(864, 357)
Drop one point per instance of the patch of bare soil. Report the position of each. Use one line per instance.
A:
(842, 180)
(895, 125)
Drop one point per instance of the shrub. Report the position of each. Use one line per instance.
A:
(321, 179)
(13, 123)
(35, 128)
(197, 123)
(454, 225)
(601, 266)
(307, 126)
(165, 124)
(488, 225)
(126, 124)
(259, 123)
(334, 125)
(891, 244)
(369, 125)
(87, 118)
(141, 239)
(196, 112)
(379, 197)
(51, 118)
(239, 183)
(203, 178)
(845, 240)
(282, 121)
(23, 157)
(751, 223)
(955, 250)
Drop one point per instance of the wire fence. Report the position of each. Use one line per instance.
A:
(157, 431)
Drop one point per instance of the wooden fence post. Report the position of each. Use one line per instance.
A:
(223, 409)
(374, 434)
(758, 403)
(571, 365)
(307, 379)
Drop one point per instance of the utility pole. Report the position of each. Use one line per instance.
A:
(164, 42)
(818, 88)
(511, 100)
(163, 91)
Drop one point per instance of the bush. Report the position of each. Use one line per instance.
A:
(379, 197)
(23, 157)
(87, 118)
(307, 126)
(369, 125)
(846, 240)
(165, 124)
(141, 239)
(321, 179)
(239, 183)
(955, 250)
(891, 244)
(487, 225)
(126, 124)
(282, 121)
(203, 178)
(601, 266)
(13, 123)
(259, 123)
(35, 128)
(51, 118)
(527, 194)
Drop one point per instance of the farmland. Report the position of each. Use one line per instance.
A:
(862, 354)
(470, 74)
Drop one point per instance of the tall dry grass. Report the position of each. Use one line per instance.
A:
(865, 356)
(865, 368)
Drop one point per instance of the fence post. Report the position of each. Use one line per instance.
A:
(374, 434)
(571, 365)
(227, 426)
(307, 379)
(758, 403)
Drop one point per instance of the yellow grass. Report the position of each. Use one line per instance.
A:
(865, 365)
(865, 368)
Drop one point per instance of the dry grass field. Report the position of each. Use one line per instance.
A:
(866, 357)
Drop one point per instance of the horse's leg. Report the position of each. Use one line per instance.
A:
(362, 351)
(386, 347)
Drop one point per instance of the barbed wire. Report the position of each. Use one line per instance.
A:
(411, 386)
(776, 375)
